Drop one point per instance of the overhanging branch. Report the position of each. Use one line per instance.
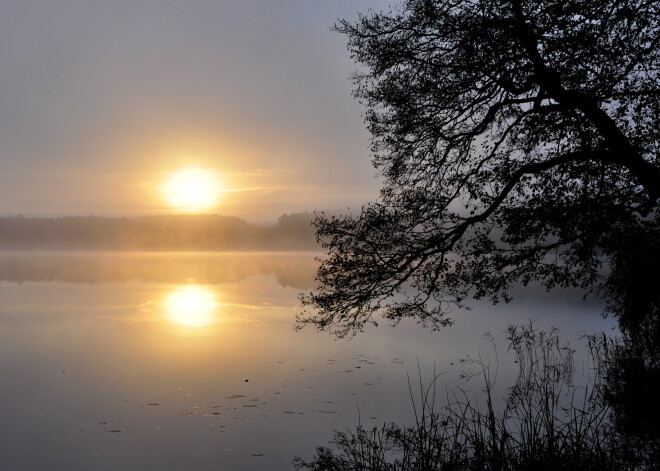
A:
(448, 240)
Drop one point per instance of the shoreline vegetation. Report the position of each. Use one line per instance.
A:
(181, 232)
(547, 421)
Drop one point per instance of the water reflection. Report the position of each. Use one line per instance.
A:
(191, 305)
(295, 270)
(101, 342)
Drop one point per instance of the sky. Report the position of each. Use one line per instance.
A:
(102, 101)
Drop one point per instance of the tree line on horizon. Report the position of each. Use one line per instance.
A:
(154, 233)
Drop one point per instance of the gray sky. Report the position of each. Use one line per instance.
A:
(100, 101)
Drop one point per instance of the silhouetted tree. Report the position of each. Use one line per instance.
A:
(633, 362)
(518, 141)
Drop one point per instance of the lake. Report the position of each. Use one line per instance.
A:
(177, 361)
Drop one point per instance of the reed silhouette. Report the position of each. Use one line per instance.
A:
(546, 422)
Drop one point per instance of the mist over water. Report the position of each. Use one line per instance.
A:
(296, 270)
(176, 232)
(190, 360)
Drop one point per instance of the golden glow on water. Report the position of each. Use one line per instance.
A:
(192, 189)
(192, 306)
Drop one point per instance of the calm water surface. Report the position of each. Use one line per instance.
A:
(190, 361)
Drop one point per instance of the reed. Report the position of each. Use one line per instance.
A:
(545, 423)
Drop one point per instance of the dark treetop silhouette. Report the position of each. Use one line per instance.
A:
(518, 141)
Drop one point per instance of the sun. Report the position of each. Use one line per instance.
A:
(192, 189)
(191, 305)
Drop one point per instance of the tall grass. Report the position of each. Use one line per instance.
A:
(545, 423)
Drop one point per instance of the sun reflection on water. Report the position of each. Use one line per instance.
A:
(191, 305)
